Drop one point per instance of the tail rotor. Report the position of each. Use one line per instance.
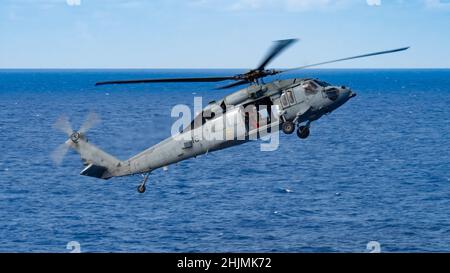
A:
(63, 125)
(91, 121)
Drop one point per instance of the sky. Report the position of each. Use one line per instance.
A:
(221, 33)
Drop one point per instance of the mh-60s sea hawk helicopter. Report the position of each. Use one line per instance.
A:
(257, 110)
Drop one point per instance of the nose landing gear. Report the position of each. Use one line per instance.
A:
(141, 188)
(288, 127)
(303, 132)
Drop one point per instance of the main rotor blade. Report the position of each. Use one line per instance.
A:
(348, 58)
(233, 85)
(206, 79)
(58, 154)
(92, 119)
(63, 125)
(277, 48)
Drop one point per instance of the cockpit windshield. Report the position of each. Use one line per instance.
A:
(310, 87)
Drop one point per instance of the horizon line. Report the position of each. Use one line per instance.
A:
(137, 68)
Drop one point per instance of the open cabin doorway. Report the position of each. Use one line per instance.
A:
(258, 114)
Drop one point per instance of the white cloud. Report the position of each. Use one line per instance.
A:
(233, 5)
(73, 2)
(308, 5)
(248, 4)
(300, 5)
(289, 5)
(374, 2)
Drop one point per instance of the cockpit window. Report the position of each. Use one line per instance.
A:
(332, 94)
(310, 87)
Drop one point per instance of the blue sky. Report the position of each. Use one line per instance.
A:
(220, 33)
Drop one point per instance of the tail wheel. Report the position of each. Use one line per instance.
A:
(141, 188)
(288, 127)
(303, 132)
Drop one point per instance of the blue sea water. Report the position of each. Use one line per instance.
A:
(377, 169)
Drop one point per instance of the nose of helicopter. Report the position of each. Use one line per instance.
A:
(346, 93)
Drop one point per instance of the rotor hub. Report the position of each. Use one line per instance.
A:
(254, 75)
(75, 137)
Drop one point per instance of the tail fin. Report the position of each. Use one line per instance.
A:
(99, 163)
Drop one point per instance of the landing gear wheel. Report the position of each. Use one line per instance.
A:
(141, 188)
(288, 127)
(303, 132)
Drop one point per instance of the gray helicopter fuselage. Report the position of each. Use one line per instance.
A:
(223, 123)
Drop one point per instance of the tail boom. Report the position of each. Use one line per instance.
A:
(99, 163)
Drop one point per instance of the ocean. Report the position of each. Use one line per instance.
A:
(376, 169)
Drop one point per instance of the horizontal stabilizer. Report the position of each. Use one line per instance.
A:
(94, 171)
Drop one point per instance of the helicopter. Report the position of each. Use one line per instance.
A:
(255, 111)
